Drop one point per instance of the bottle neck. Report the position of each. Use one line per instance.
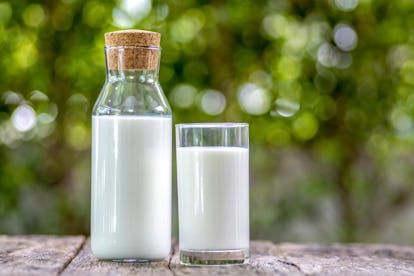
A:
(143, 76)
(135, 63)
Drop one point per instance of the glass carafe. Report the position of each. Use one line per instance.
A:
(131, 153)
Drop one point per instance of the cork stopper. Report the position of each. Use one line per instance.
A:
(132, 50)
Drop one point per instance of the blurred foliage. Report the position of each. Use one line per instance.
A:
(326, 86)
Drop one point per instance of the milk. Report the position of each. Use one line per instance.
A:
(213, 189)
(131, 187)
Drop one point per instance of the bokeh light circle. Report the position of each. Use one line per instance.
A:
(254, 99)
(24, 118)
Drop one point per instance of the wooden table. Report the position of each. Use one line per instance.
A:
(71, 255)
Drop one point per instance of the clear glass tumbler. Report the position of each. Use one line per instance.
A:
(213, 193)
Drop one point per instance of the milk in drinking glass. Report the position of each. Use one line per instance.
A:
(213, 193)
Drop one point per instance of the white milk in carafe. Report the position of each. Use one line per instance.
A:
(131, 187)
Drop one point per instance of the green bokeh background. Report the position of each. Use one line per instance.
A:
(326, 86)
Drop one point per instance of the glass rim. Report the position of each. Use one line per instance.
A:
(211, 125)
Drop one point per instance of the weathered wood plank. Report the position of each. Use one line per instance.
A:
(335, 259)
(37, 255)
(349, 259)
(262, 262)
(85, 263)
(48, 255)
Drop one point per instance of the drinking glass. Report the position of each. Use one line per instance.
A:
(213, 193)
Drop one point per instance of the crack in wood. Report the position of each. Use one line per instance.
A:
(74, 256)
(170, 259)
(292, 264)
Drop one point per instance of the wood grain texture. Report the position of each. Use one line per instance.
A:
(349, 259)
(315, 259)
(37, 255)
(85, 263)
(48, 255)
(262, 262)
